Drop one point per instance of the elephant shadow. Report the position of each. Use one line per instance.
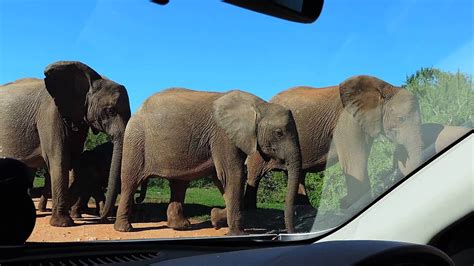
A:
(156, 212)
(264, 221)
(258, 221)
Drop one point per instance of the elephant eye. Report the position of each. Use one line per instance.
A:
(110, 111)
(278, 133)
(401, 119)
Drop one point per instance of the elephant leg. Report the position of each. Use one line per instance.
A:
(124, 211)
(255, 172)
(45, 193)
(99, 199)
(230, 172)
(77, 195)
(143, 189)
(302, 198)
(233, 197)
(132, 174)
(175, 213)
(250, 199)
(76, 208)
(218, 216)
(59, 187)
(353, 159)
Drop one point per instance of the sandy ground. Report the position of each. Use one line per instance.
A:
(88, 229)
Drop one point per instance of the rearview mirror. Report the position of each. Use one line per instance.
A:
(303, 11)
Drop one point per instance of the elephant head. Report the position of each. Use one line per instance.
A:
(255, 125)
(86, 99)
(381, 108)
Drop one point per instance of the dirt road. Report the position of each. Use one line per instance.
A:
(88, 229)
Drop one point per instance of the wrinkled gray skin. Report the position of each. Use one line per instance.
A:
(182, 135)
(339, 124)
(44, 122)
(435, 138)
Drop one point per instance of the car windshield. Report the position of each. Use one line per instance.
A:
(204, 119)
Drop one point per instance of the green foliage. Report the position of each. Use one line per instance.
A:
(445, 98)
(95, 140)
(325, 189)
(205, 182)
(380, 165)
(272, 188)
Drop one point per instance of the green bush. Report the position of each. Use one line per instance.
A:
(95, 140)
(272, 188)
(161, 183)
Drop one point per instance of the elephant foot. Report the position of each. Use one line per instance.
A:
(218, 218)
(175, 216)
(42, 204)
(123, 226)
(61, 220)
(179, 224)
(75, 213)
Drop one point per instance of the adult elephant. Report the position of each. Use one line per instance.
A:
(435, 138)
(181, 135)
(339, 124)
(44, 122)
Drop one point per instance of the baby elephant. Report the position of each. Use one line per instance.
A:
(435, 138)
(89, 178)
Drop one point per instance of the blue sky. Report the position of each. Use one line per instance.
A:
(209, 45)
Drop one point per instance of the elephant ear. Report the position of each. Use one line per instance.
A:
(363, 97)
(68, 82)
(236, 112)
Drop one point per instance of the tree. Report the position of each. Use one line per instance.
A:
(444, 97)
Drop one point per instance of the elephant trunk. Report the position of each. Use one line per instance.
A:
(414, 147)
(294, 176)
(113, 186)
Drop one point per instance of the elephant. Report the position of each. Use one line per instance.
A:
(435, 138)
(45, 123)
(90, 176)
(88, 179)
(339, 123)
(81, 196)
(182, 134)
